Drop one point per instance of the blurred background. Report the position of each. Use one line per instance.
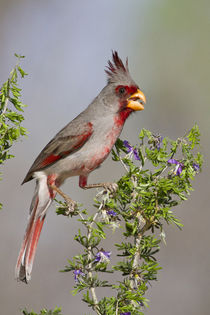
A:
(67, 45)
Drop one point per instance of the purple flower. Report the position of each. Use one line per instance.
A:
(125, 313)
(173, 161)
(112, 213)
(131, 149)
(179, 166)
(102, 256)
(136, 155)
(196, 167)
(128, 146)
(77, 273)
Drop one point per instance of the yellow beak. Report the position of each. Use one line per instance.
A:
(137, 101)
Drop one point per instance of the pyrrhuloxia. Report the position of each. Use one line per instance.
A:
(78, 149)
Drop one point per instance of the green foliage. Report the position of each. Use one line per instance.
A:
(56, 311)
(11, 109)
(158, 176)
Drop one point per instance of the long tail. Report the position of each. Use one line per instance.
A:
(41, 201)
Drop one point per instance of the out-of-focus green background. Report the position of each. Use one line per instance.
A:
(67, 44)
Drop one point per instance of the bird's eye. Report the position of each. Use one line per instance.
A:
(121, 90)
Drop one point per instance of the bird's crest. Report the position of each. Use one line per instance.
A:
(116, 67)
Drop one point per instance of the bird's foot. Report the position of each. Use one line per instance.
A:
(112, 187)
(71, 206)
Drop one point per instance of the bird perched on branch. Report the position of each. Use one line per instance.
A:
(78, 149)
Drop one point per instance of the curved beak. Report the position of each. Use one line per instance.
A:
(137, 100)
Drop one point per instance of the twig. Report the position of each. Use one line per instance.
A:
(137, 239)
(90, 274)
(116, 313)
(4, 108)
(124, 165)
(89, 250)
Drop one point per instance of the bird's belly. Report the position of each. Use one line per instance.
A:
(76, 164)
(86, 159)
(95, 159)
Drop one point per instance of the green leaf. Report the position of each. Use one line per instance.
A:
(22, 72)
(56, 311)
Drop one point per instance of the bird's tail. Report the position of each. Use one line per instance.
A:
(41, 201)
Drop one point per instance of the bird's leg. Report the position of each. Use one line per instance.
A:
(70, 202)
(108, 186)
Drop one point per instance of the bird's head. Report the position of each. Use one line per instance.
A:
(122, 94)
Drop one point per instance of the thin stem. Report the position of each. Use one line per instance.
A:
(81, 216)
(138, 237)
(124, 165)
(5, 104)
(90, 274)
(137, 240)
(136, 259)
(116, 313)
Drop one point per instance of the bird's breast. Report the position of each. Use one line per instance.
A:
(100, 146)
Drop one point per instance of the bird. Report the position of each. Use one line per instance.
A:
(77, 150)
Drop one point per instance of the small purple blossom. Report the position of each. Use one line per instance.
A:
(136, 155)
(196, 167)
(77, 273)
(173, 161)
(131, 149)
(179, 166)
(102, 256)
(125, 313)
(128, 146)
(112, 213)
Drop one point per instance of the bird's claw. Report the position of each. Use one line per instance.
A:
(71, 207)
(112, 187)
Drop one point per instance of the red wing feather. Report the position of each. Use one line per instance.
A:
(49, 160)
(62, 145)
(78, 142)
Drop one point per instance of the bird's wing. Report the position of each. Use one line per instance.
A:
(68, 140)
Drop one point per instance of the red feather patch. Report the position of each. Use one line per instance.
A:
(50, 159)
(122, 116)
(81, 139)
(129, 90)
